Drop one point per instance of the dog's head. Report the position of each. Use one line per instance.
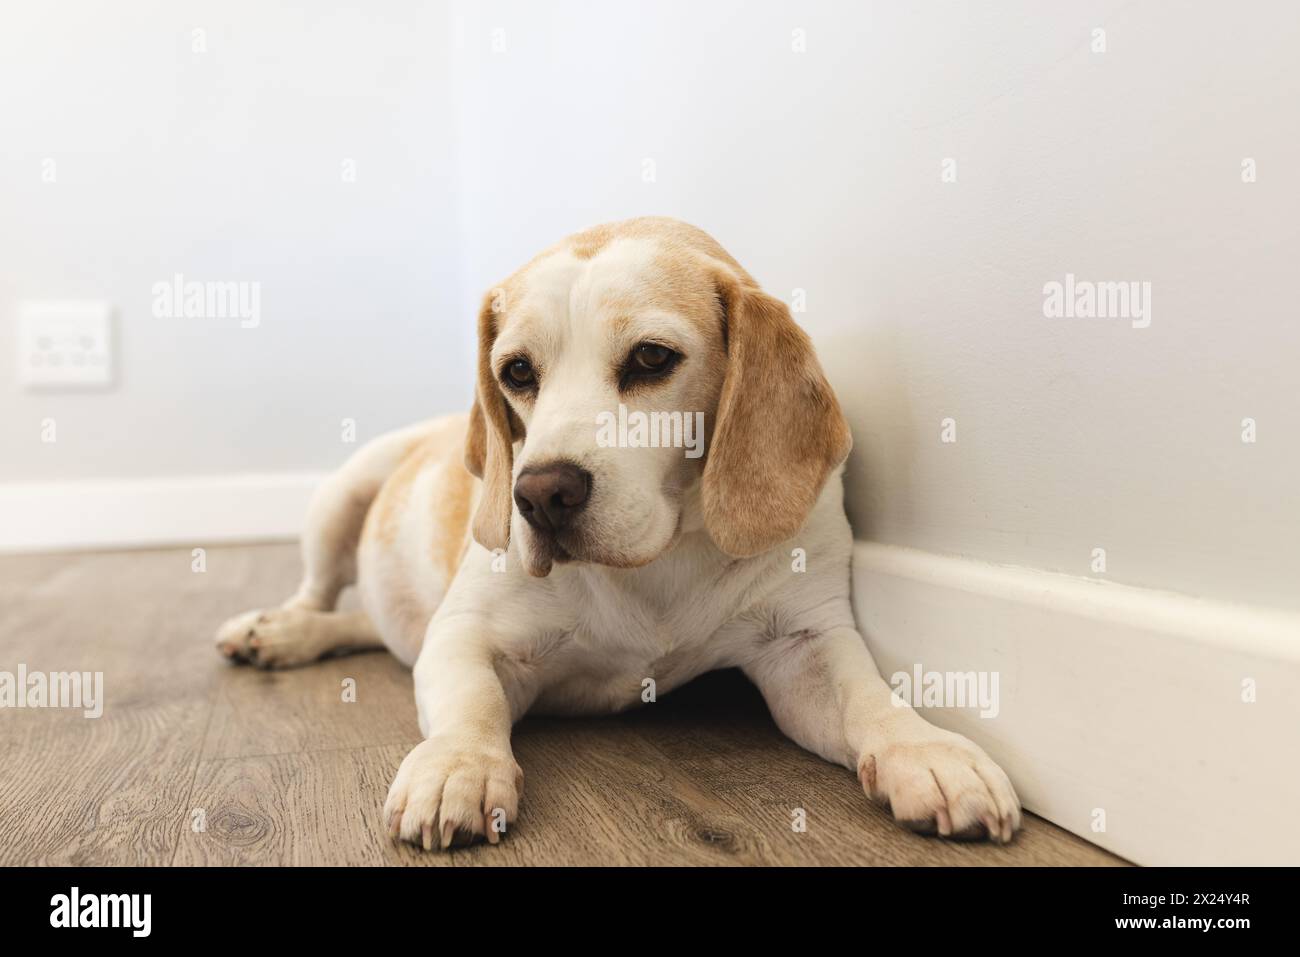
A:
(622, 367)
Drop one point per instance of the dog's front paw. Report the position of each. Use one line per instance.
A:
(453, 789)
(944, 784)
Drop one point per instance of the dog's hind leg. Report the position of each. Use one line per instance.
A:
(288, 636)
(306, 626)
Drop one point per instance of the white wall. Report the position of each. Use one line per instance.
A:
(227, 165)
(482, 132)
(821, 171)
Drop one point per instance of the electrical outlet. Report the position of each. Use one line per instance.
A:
(65, 345)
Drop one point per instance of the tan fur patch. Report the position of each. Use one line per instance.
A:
(779, 430)
(385, 514)
(673, 235)
(454, 492)
(452, 506)
(489, 440)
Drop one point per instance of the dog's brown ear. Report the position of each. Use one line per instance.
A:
(779, 431)
(489, 444)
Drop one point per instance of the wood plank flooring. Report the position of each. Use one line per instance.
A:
(198, 762)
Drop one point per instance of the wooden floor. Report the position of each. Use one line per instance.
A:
(196, 761)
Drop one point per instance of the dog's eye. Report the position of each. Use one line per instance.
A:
(519, 374)
(649, 360)
(651, 357)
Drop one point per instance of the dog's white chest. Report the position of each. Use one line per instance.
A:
(600, 669)
(619, 639)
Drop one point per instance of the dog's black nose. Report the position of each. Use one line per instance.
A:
(549, 496)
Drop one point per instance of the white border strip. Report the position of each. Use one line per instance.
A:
(1116, 701)
(56, 516)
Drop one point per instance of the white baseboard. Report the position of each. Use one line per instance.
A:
(55, 516)
(1122, 699)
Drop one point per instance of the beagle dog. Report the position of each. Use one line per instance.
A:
(550, 553)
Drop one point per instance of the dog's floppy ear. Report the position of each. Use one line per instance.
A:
(489, 444)
(779, 431)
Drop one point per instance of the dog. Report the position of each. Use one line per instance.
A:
(518, 564)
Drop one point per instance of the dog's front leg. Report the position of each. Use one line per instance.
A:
(826, 694)
(462, 779)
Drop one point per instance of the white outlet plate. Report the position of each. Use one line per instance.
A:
(65, 345)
